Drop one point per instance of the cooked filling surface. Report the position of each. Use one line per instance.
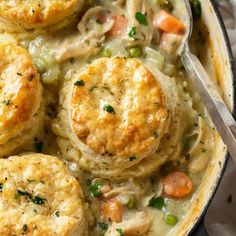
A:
(118, 109)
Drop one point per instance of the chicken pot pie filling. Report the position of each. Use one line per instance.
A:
(120, 111)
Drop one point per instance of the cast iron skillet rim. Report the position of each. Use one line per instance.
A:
(233, 76)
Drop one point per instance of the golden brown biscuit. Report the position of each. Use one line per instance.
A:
(37, 13)
(20, 96)
(116, 114)
(39, 197)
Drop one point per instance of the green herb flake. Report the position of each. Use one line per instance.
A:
(39, 146)
(79, 83)
(1, 187)
(132, 32)
(109, 108)
(38, 200)
(98, 22)
(19, 74)
(24, 228)
(6, 102)
(35, 199)
(141, 18)
(57, 213)
(103, 226)
(120, 231)
(204, 150)
(95, 189)
(157, 203)
(132, 158)
(23, 193)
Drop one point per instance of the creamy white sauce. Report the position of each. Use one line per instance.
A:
(43, 49)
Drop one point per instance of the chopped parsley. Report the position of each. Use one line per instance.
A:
(24, 228)
(120, 231)
(57, 213)
(109, 108)
(132, 158)
(132, 32)
(1, 187)
(156, 134)
(6, 102)
(98, 21)
(141, 18)
(157, 203)
(96, 189)
(103, 226)
(204, 150)
(35, 199)
(39, 146)
(23, 193)
(38, 200)
(19, 74)
(79, 83)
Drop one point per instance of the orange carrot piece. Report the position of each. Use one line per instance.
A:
(119, 27)
(168, 23)
(177, 184)
(112, 210)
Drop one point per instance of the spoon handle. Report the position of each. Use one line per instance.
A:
(216, 108)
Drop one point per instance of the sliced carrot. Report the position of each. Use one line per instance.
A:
(177, 184)
(168, 23)
(119, 27)
(112, 210)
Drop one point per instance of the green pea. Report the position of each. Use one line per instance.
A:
(132, 203)
(107, 53)
(135, 52)
(171, 219)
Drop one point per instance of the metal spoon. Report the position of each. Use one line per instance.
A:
(216, 108)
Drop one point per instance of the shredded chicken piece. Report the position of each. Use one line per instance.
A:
(117, 191)
(91, 13)
(170, 43)
(137, 226)
(144, 33)
(87, 41)
(119, 3)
